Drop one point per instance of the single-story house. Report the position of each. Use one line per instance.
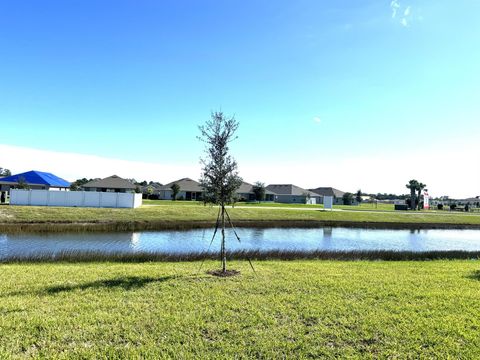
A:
(35, 180)
(245, 193)
(112, 183)
(189, 190)
(292, 194)
(330, 191)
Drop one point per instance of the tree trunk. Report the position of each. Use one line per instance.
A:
(412, 199)
(223, 251)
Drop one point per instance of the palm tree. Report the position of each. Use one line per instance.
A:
(420, 188)
(412, 186)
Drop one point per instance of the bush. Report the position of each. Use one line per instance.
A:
(440, 206)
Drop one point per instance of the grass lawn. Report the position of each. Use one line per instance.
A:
(363, 206)
(293, 309)
(180, 213)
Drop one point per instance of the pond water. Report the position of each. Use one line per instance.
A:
(251, 239)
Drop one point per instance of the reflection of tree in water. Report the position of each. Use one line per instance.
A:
(326, 242)
(415, 240)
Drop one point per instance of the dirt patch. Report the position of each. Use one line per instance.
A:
(220, 273)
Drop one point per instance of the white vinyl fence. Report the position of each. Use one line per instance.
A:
(75, 198)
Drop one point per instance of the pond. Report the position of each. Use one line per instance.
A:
(251, 239)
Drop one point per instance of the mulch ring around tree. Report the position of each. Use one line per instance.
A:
(220, 273)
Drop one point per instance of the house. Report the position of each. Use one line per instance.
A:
(35, 180)
(112, 183)
(189, 190)
(151, 190)
(292, 194)
(330, 191)
(245, 193)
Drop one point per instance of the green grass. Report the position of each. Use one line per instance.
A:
(295, 309)
(186, 214)
(363, 206)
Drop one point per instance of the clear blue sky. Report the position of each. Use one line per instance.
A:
(89, 76)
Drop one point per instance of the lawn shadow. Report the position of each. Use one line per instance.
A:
(474, 275)
(125, 283)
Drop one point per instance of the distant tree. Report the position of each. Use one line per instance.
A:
(143, 183)
(77, 184)
(150, 191)
(412, 186)
(259, 191)
(386, 196)
(374, 199)
(420, 188)
(347, 198)
(22, 183)
(307, 196)
(175, 190)
(358, 196)
(5, 172)
(220, 179)
(138, 190)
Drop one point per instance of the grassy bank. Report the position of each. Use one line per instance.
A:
(360, 207)
(25, 218)
(289, 309)
(76, 256)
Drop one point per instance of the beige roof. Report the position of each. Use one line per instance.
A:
(328, 191)
(186, 184)
(111, 182)
(289, 189)
(247, 188)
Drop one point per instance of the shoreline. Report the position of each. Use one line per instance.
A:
(240, 255)
(127, 226)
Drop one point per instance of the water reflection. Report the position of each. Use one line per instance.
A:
(259, 239)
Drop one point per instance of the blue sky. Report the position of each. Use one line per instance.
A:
(313, 83)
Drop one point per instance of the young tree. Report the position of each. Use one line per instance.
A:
(307, 196)
(358, 196)
(259, 191)
(175, 190)
(150, 191)
(220, 179)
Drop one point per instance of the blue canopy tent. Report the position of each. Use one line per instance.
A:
(36, 179)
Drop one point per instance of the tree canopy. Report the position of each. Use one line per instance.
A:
(5, 172)
(220, 179)
(175, 190)
(259, 191)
